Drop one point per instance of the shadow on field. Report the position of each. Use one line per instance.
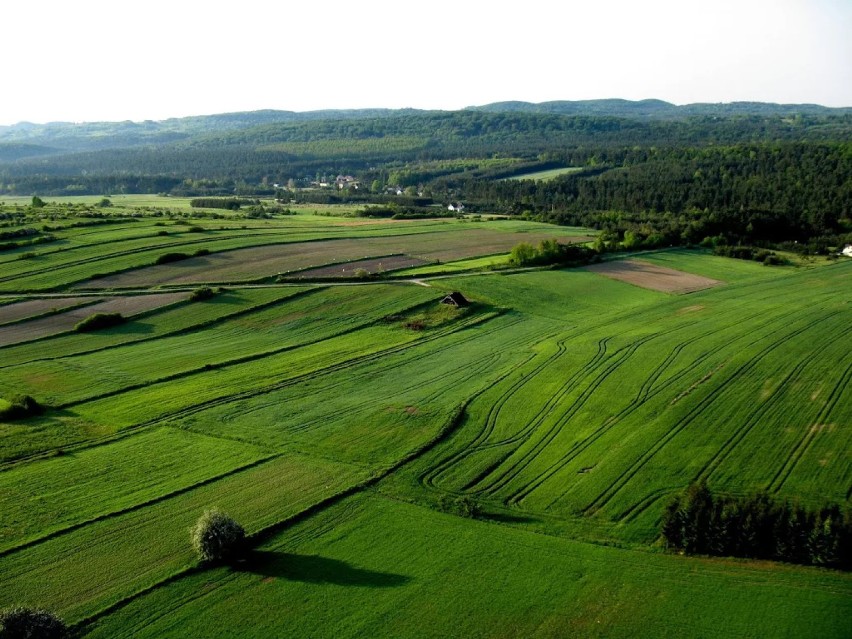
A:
(506, 518)
(140, 328)
(317, 570)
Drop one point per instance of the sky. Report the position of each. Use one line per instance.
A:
(95, 60)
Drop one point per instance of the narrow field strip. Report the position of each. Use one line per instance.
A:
(62, 322)
(86, 570)
(27, 309)
(176, 319)
(45, 496)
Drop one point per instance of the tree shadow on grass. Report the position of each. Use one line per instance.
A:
(507, 518)
(136, 327)
(317, 570)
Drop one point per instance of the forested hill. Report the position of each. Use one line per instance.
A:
(53, 137)
(658, 109)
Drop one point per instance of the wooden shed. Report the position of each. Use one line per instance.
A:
(456, 299)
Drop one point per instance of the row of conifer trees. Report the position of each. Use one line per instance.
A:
(700, 522)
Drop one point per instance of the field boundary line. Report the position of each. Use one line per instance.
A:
(129, 509)
(263, 534)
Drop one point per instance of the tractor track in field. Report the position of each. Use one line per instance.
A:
(760, 410)
(780, 478)
(327, 370)
(647, 391)
(621, 481)
(727, 447)
(224, 364)
(431, 477)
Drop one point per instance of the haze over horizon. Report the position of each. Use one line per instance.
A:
(92, 62)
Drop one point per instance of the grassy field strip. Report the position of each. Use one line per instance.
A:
(172, 320)
(730, 376)
(201, 390)
(298, 320)
(353, 406)
(257, 262)
(579, 447)
(384, 564)
(728, 323)
(86, 570)
(496, 259)
(91, 259)
(46, 496)
(554, 393)
(57, 274)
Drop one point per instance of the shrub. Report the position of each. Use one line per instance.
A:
(167, 258)
(19, 407)
(464, 506)
(98, 321)
(201, 294)
(30, 623)
(217, 537)
(201, 252)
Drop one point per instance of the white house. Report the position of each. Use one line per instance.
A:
(847, 250)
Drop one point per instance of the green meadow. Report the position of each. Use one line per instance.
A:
(339, 423)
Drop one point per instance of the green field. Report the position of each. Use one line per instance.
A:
(549, 174)
(335, 421)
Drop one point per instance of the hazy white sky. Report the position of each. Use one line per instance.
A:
(92, 60)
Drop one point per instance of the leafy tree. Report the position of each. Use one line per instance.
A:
(37, 202)
(523, 254)
(216, 537)
(30, 623)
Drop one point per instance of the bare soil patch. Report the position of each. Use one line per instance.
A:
(268, 261)
(61, 322)
(651, 276)
(30, 308)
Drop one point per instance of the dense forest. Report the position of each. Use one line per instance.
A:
(649, 173)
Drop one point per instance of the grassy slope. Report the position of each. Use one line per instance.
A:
(588, 401)
(379, 568)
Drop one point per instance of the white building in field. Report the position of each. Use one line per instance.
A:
(847, 250)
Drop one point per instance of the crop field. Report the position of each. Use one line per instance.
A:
(65, 321)
(339, 423)
(549, 174)
(373, 265)
(261, 262)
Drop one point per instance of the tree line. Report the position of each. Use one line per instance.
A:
(758, 527)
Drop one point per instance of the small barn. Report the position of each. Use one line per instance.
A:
(456, 299)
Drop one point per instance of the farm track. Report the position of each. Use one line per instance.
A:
(623, 479)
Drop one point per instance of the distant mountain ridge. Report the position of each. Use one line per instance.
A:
(660, 109)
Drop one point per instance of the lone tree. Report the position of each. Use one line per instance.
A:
(217, 537)
(30, 623)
